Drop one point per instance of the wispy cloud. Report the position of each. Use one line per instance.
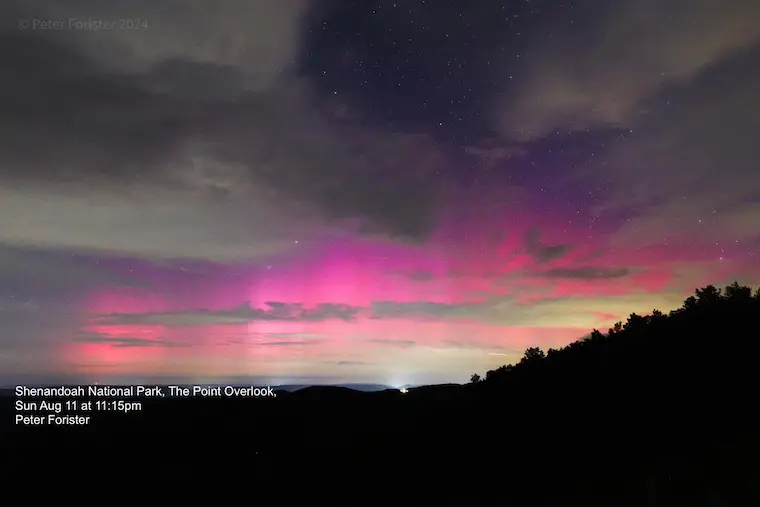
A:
(124, 341)
(404, 344)
(579, 78)
(243, 313)
(352, 363)
(586, 273)
(540, 251)
(285, 344)
(418, 275)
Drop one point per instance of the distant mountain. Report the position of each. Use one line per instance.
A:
(410, 386)
(291, 388)
(326, 393)
(356, 387)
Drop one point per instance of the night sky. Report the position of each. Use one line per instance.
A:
(363, 191)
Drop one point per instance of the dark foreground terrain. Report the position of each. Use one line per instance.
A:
(661, 410)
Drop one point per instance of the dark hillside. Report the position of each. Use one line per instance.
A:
(660, 410)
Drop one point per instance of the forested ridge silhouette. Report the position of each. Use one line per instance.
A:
(708, 342)
(659, 410)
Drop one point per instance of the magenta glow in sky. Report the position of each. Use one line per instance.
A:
(260, 190)
(377, 311)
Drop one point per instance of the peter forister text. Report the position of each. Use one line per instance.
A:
(77, 405)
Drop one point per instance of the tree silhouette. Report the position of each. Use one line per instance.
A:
(655, 350)
(690, 303)
(708, 296)
(532, 355)
(738, 293)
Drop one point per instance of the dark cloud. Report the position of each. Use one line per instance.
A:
(63, 118)
(183, 136)
(294, 336)
(491, 153)
(502, 309)
(404, 310)
(599, 70)
(417, 275)
(329, 311)
(285, 344)
(30, 273)
(241, 314)
(218, 133)
(353, 363)
(124, 341)
(669, 93)
(586, 273)
(421, 276)
(541, 252)
(276, 311)
(30, 327)
(404, 344)
(254, 339)
(688, 167)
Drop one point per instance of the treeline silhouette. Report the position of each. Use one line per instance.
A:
(711, 338)
(657, 386)
(659, 410)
